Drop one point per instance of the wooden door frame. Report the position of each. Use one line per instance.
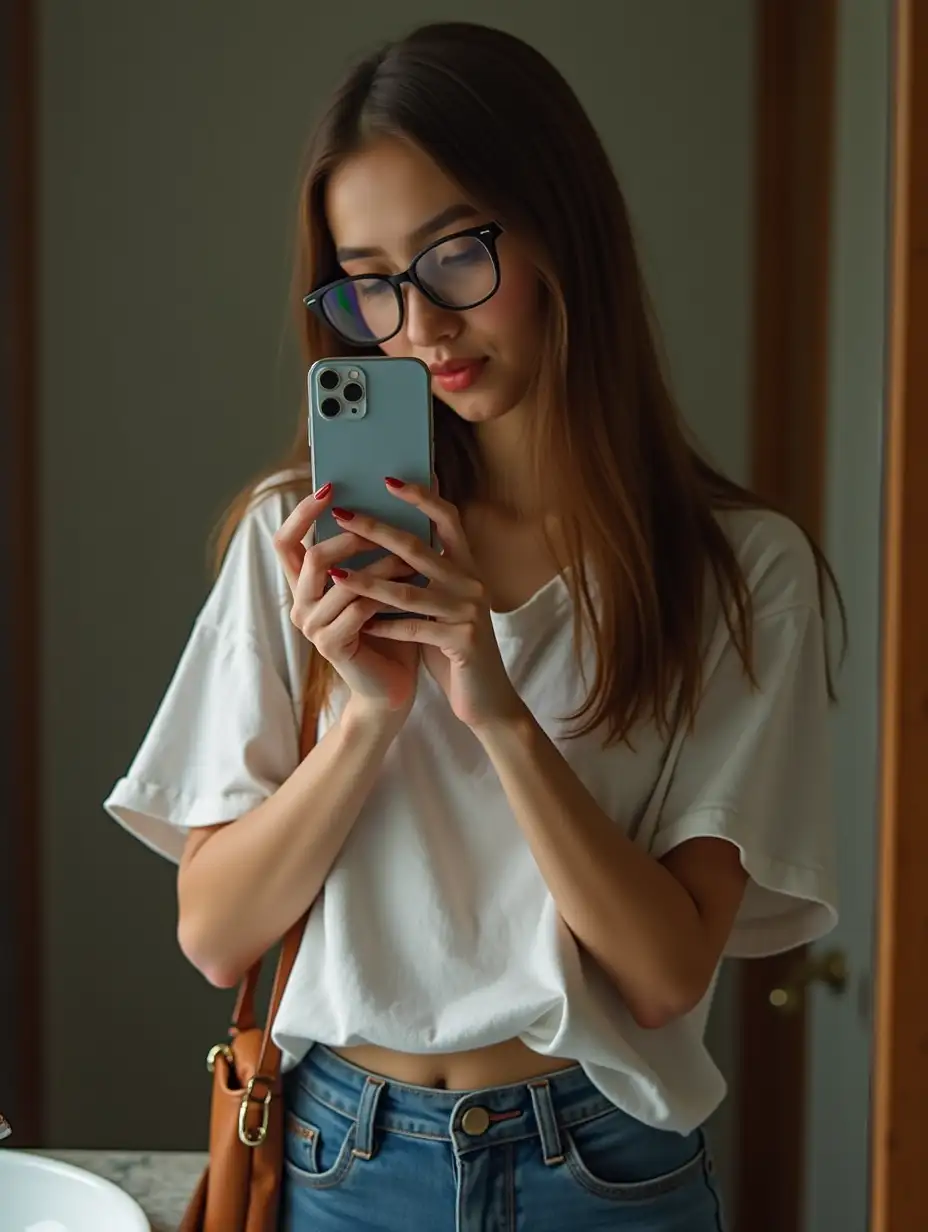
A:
(796, 50)
(899, 1195)
(20, 851)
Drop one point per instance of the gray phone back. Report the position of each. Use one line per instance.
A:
(369, 418)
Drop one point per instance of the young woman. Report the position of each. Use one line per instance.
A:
(592, 762)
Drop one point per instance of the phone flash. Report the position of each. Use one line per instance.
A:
(353, 374)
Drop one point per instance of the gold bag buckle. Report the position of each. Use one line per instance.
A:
(250, 1137)
(255, 1137)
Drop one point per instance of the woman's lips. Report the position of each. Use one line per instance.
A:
(456, 377)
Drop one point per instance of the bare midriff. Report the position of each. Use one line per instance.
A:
(495, 1066)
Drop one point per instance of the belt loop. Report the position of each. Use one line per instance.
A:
(547, 1122)
(364, 1135)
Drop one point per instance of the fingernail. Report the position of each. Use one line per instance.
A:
(338, 573)
(343, 515)
(394, 483)
(323, 491)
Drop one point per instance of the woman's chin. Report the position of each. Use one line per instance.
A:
(478, 407)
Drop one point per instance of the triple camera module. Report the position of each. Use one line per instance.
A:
(341, 397)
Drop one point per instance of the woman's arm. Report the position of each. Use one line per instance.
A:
(658, 929)
(242, 884)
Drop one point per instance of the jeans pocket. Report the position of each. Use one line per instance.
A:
(318, 1153)
(608, 1160)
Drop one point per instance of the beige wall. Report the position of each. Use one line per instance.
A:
(170, 139)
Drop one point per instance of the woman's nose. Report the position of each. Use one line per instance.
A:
(427, 323)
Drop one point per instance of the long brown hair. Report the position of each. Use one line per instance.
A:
(636, 502)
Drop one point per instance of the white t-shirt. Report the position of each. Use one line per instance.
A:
(436, 932)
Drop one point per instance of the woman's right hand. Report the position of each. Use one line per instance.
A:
(378, 673)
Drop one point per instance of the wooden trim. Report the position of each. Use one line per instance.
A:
(900, 1090)
(796, 54)
(795, 96)
(21, 1096)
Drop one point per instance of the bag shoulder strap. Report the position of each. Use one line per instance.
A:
(243, 1015)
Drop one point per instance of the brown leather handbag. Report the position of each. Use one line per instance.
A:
(240, 1189)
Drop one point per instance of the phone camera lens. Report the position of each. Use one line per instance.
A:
(353, 392)
(329, 378)
(329, 408)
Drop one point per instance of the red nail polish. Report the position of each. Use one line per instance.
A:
(323, 491)
(343, 515)
(394, 483)
(338, 573)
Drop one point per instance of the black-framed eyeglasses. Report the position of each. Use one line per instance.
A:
(458, 272)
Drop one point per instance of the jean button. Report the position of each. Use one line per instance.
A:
(475, 1121)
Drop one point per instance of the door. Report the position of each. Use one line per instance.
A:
(840, 1022)
(797, 100)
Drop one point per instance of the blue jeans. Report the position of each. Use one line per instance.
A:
(548, 1155)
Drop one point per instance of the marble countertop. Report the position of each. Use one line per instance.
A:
(160, 1181)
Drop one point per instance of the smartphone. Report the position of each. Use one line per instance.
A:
(369, 418)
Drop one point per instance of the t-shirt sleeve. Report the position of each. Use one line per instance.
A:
(754, 770)
(226, 734)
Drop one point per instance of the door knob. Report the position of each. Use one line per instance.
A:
(829, 969)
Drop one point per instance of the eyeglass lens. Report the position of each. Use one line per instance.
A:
(457, 273)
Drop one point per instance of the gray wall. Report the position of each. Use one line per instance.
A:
(170, 139)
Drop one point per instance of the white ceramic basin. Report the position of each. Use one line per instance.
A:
(44, 1195)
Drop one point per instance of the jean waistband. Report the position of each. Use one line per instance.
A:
(484, 1116)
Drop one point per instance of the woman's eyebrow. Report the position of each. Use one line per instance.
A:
(454, 213)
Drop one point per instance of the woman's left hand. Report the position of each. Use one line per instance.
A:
(458, 644)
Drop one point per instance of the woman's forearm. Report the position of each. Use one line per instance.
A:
(623, 906)
(241, 887)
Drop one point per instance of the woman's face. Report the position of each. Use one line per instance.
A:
(392, 200)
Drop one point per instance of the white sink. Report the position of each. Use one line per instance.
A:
(44, 1195)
